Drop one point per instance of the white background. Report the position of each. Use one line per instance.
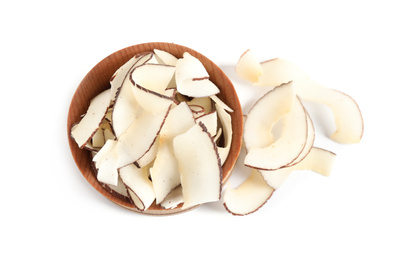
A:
(49, 211)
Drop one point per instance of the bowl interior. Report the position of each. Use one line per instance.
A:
(97, 80)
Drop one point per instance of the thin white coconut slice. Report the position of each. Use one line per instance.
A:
(189, 67)
(286, 148)
(107, 172)
(318, 160)
(164, 57)
(107, 148)
(199, 166)
(279, 71)
(217, 136)
(256, 190)
(164, 172)
(151, 101)
(149, 84)
(90, 123)
(120, 75)
(139, 137)
(138, 186)
(125, 108)
(248, 67)
(192, 79)
(149, 156)
(88, 146)
(106, 163)
(98, 139)
(264, 114)
(309, 143)
(197, 87)
(219, 101)
(347, 115)
(348, 118)
(276, 178)
(226, 123)
(179, 120)
(206, 103)
(146, 58)
(118, 190)
(210, 120)
(173, 199)
(153, 77)
(172, 84)
(251, 195)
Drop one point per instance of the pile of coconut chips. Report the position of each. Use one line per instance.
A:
(159, 133)
(272, 159)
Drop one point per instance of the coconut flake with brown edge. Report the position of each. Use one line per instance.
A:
(89, 124)
(138, 185)
(309, 142)
(318, 160)
(251, 195)
(192, 79)
(257, 189)
(287, 147)
(138, 139)
(199, 166)
(106, 163)
(248, 67)
(149, 84)
(264, 114)
(227, 132)
(164, 57)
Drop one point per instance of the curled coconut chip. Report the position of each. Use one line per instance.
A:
(285, 150)
(248, 68)
(318, 160)
(263, 151)
(257, 189)
(251, 195)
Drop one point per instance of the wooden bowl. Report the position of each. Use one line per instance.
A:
(97, 80)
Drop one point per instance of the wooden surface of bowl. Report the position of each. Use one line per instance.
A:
(97, 80)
